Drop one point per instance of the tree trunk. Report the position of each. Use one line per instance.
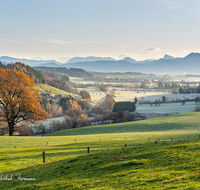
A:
(11, 129)
(10, 132)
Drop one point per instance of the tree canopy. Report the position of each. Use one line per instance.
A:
(19, 100)
(124, 106)
(85, 95)
(69, 105)
(36, 75)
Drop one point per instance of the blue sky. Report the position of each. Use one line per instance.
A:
(61, 29)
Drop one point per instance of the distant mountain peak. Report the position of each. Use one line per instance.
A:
(90, 59)
(193, 56)
(168, 57)
(130, 60)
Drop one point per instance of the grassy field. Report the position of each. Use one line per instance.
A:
(96, 94)
(142, 165)
(170, 108)
(52, 90)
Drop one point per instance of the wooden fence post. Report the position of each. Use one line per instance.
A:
(43, 157)
(155, 142)
(125, 145)
(88, 150)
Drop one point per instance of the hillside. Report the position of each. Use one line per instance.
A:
(45, 88)
(40, 78)
(72, 72)
(172, 163)
(33, 73)
(104, 66)
(185, 121)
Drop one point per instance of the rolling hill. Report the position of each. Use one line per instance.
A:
(72, 72)
(45, 88)
(172, 163)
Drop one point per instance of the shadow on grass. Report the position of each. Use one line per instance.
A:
(91, 166)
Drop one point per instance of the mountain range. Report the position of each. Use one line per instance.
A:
(166, 65)
(53, 63)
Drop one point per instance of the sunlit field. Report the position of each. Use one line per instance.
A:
(52, 90)
(122, 95)
(171, 163)
(165, 108)
(96, 94)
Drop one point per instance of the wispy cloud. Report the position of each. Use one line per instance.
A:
(187, 6)
(127, 47)
(52, 41)
(173, 7)
(155, 50)
(15, 41)
(89, 42)
(1, 7)
(62, 42)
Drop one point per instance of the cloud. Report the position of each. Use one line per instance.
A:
(15, 41)
(184, 51)
(155, 50)
(52, 41)
(1, 7)
(122, 56)
(127, 46)
(62, 42)
(173, 7)
(87, 42)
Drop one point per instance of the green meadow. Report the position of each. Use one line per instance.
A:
(172, 163)
(52, 90)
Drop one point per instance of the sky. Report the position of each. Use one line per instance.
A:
(62, 29)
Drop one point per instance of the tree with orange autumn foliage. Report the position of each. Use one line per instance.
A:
(19, 99)
(69, 104)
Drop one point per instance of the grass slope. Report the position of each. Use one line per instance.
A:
(52, 90)
(185, 121)
(161, 166)
(142, 165)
